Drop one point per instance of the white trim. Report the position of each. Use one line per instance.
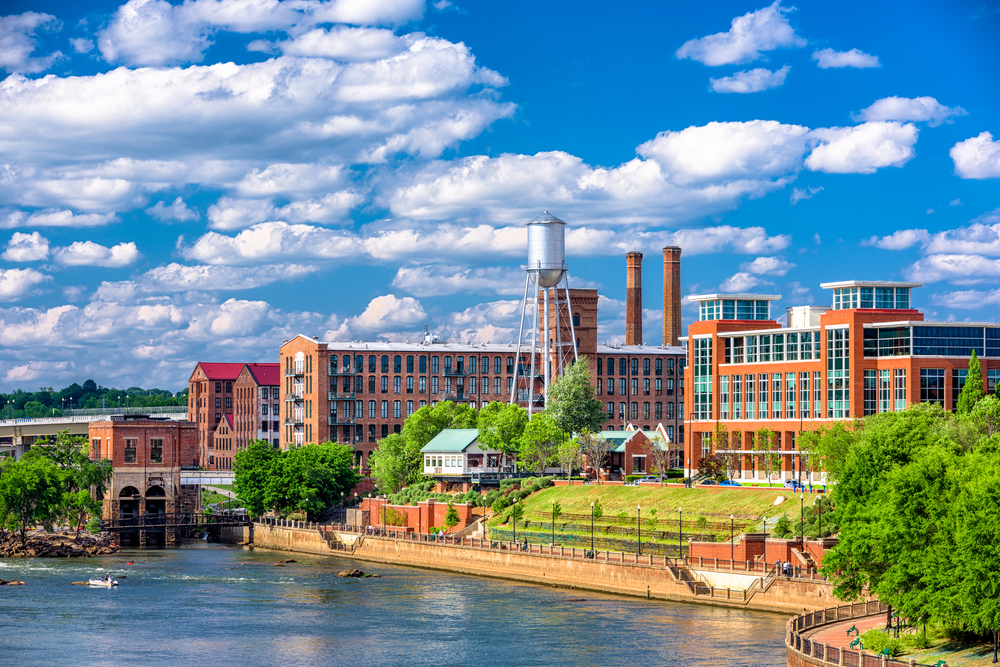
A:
(868, 283)
(734, 297)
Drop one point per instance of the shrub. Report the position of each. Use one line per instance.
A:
(500, 504)
(783, 527)
(877, 640)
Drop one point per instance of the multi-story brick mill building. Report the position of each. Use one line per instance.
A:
(361, 392)
(870, 353)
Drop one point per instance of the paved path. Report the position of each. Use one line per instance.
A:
(836, 634)
(225, 492)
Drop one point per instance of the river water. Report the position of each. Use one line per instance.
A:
(216, 605)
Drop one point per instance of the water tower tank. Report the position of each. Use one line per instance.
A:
(547, 249)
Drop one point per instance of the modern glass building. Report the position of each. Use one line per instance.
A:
(870, 352)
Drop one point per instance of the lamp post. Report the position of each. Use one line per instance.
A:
(820, 501)
(802, 519)
(638, 521)
(553, 522)
(513, 516)
(591, 528)
(732, 541)
(680, 532)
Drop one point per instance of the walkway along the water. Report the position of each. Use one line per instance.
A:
(824, 637)
(653, 577)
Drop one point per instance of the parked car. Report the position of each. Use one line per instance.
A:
(708, 482)
(793, 484)
(729, 482)
(649, 478)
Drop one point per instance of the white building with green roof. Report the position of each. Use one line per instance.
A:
(454, 455)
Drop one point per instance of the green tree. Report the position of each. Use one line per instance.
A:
(985, 415)
(396, 463)
(82, 476)
(595, 450)
(501, 426)
(770, 459)
(571, 400)
(31, 492)
(569, 456)
(310, 479)
(539, 443)
(253, 469)
(596, 512)
(660, 455)
(423, 425)
(972, 392)
(557, 511)
(652, 522)
(451, 517)
(712, 466)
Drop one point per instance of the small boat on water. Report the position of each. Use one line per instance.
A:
(103, 583)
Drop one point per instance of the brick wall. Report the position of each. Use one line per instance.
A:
(423, 516)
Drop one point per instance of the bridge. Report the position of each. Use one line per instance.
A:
(176, 521)
(17, 435)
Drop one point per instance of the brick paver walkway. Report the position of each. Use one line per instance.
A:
(836, 634)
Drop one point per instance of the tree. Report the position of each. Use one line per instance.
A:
(501, 426)
(972, 392)
(712, 466)
(571, 400)
(568, 454)
(985, 415)
(539, 443)
(661, 456)
(253, 469)
(652, 521)
(596, 512)
(423, 425)
(451, 517)
(720, 437)
(770, 460)
(310, 479)
(595, 449)
(81, 475)
(31, 492)
(396, 463)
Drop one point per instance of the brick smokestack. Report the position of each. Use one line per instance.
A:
(633, 299)
(671, 295)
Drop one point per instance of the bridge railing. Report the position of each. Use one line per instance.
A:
(176, 520)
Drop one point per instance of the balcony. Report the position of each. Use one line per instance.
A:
(297, 420)
(456, 396)
(295, 372)
(338, 420)
(455, 372)
(295, 397)
(343, 371)
(340, 396)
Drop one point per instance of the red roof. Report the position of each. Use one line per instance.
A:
(266, 374)
(229, 418)
(217, 371)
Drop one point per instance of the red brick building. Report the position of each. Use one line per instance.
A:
(257, 405)
(147, 456)
(224, 442)
(870, 353)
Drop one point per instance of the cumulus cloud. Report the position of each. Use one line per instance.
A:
(177, 211)
(18, 283)
(155, 32)
(763, 30)
(862, 149)
(26, 248)
(978, 157)
(233, 213)
(958, 269)
(439, 280)
(174, 277)
(389, 313)
(798, 194)
(827, 58)
(490, 322)
(967, 299)
(742, 282)
(899, 240)
(920, 109)
(272, 241)
(752, 81)
(18, 42)
(81, 44)
(88, 253)
(767, 266)
(341, 43)
(12, 218)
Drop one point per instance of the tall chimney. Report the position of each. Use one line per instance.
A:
(671, 295)
(633, 299)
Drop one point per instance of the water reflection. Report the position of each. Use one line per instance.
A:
(224, 606)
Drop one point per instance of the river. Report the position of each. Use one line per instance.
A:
(216, 605)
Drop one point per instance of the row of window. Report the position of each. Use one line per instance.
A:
(734, 309)
(932, 341)
(609, 388)
(419, 385)
(343, 364)
(631, 410)
(627, 366)
(131, 447)
(890, 298)
(791, 346)
(770, 396)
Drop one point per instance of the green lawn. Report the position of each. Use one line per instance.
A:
(713, 504)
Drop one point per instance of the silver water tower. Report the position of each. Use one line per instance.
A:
(546, 274)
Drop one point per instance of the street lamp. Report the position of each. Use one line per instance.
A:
(553, 522)
(591, 529)
(638, 521)
(680, 533)
(802, 519)
(732, 542)
(513, 516)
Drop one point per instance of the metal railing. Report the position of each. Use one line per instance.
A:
(833, 655)
(176, 520)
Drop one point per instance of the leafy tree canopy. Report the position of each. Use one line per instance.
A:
(571, 400)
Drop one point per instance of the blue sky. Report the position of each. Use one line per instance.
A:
(196, 181)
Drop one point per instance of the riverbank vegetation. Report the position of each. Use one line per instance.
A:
(54, 483)
(917, 501)
(307, 480)
(48, 402)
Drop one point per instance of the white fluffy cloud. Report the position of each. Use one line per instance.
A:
(752, 81)
(387, 315)
(798, 194)
(26, 248)
(271, 241)
(12, 218)
(967, 299)
(980, 237)
(978, 157)
(173, 278)
(862, 149)
(88, 253)
(177, 211)
(918, 109)
(827, 58)
(18, 283)
(155, 32)
(340, 43)
(440, 280)
(742, 282)
(763, 30)
(233, 213)
(767, 266)
(899, 240)
(18, 42)
(958, 269)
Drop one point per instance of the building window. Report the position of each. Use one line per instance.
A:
(409, 384)
(447, 385)
(600, 366)
(622, 387)
(130, 448)
(622, 366)
(218, 401)
(724, 397)
(497, 365)
(932, 385)
(762, 388)
(776, 396)
(804, 395)
(497, 386)
(396, 409)
(510, 365)
(635, 386)
(645, 366)
(611, 386)
(658, 410)
(621, 411)
(218, 387)
(838, 395)
(397, 364)
(611, 410)
(958, 376)
(397, 384)
(611, 365)
(871, 393)
(751, 408)
(472, 382)
(884, 392)
(423, 384)
(229, 402)
(991, 381)
(435, 387)
(737, 401)
(670, 410)
(635, 367)
(372, 363)
(645, 410)
(371, 384)
(156, 450)
(263, 409)
(385, 384)
(385, 409)
(576, 319)
(409, 408)
(600, 386)
(385, 430)
(371, 409)
(645, 387)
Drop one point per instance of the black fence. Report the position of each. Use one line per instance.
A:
(176, 520)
